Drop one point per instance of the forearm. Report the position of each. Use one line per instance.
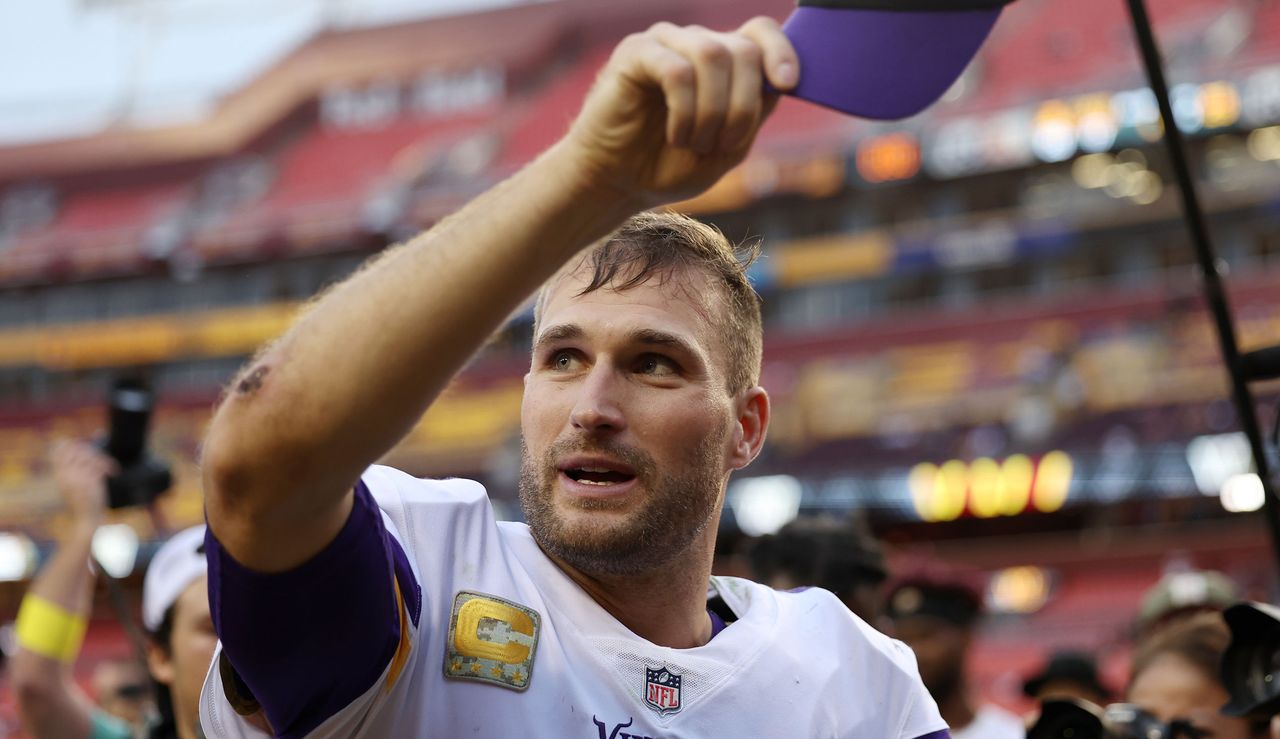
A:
(49, 701)
(358, 369)
(66, 579)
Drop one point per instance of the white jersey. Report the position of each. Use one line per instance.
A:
(509, 646)
(992, 722)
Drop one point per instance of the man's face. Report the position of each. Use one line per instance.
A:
(628, 429)
(122, 689)
(1172, 688)
(940, 647)
(192, 641)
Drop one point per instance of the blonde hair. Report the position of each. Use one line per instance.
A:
(659, 245)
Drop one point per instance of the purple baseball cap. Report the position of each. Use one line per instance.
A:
(885, 59)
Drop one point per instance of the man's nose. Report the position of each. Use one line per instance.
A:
(597, 408)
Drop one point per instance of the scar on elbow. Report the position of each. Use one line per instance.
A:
(252, 382)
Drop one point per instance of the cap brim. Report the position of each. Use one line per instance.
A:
(883, 64)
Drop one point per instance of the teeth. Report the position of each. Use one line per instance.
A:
(593, 482)
(595, 469)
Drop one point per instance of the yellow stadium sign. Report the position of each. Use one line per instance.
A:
(986, 488)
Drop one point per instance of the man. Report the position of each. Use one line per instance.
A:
(1068, 675)
(55, 611)
(842, 557)
(358, 601)
(936, 616)
(181, 639)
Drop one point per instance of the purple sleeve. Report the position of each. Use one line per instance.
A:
(943, 734)
(307, 642)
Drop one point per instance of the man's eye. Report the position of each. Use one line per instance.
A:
(562, 360)
(656, 364)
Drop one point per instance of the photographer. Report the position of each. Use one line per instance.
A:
(1176, 678)
(54, 615)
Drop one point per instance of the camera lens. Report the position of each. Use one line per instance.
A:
(1251, 664)
(1262, 669)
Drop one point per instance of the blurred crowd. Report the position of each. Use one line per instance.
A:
(1191, 674)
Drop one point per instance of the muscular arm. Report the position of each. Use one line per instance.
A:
(353, 375)
(49, 700)
(673, 110)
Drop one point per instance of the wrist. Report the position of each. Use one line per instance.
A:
(589, 184)
(81, 529)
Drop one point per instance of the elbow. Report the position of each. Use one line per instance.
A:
(234, 481)
(248, 475)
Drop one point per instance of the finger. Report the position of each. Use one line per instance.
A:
(676, 77)
(781, 65)
(60, 451)
(746, 94)
(713, 69)
(104, 465)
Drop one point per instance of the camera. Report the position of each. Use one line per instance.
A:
(141, 477)
(1251, 664)
(1069, 719)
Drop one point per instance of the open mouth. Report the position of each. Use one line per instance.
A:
(597, 472)
(597, 476)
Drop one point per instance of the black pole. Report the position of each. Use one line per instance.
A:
(1214, 294)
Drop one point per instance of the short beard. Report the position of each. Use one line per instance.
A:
(677, 510)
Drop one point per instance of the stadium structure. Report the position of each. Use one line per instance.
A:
(983, 330)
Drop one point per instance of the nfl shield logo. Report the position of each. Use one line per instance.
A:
(662, 690)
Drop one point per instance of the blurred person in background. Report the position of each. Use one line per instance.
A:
(1181, 595)
(181, 639)
(54, 615)
(936, 618)
(1175, 677)
(1068, 675)
(121, 686)
(822, 552)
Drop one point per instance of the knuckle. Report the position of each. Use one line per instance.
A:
(662, 27)
(747, 51)
(679, 72)
(711, 52)
(761, 23)
(628, 45)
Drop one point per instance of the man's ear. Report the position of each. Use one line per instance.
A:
(751, 426)
(160, 662)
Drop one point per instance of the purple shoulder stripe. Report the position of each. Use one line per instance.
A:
(943, 734)
(308, 642)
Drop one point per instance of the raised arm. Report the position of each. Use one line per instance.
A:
(671, 112)
(54, 612)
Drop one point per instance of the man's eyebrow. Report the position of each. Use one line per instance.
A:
(662, 338)
(559, 332)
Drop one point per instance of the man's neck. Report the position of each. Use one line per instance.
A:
(666, 608)
(956, 709)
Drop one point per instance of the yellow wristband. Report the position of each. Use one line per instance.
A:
(49, 630)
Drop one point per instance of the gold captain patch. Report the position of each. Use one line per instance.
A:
(491, 640)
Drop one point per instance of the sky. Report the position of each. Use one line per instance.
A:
(73, 67)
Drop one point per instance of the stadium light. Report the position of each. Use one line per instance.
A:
(762, 505)
(17, 557)
(1242, 493)
(115, 547)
